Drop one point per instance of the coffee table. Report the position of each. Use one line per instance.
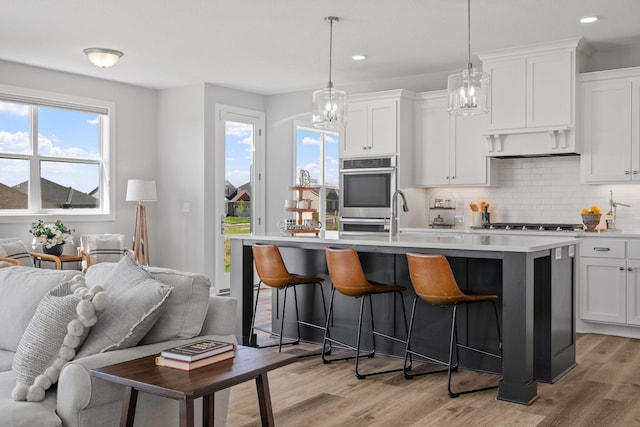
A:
(143, 375)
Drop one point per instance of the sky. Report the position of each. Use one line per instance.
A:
(61, 133)
(309, 155)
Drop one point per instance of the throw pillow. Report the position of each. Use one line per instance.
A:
(59, 325)
(21, 289)
(136, 303)
(103, 247)
(186, 309)
(15, 249)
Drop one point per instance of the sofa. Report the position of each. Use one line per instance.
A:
(187, 313)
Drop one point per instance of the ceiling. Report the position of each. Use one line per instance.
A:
(277, 46)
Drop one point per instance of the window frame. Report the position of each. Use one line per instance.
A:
(107, 113)
(322, 186)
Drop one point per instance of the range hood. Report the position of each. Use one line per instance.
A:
(531, 143)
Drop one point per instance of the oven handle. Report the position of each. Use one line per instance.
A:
(367, 170)
(382, 221)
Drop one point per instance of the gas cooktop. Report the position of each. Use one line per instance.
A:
(534, 226)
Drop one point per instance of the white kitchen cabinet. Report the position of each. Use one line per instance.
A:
(450, 150)
(532, 99)
(609, 281)
(372, 125)
(532, 86)
(609, 126)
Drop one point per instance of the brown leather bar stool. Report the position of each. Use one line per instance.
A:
(273, 273)
(434, 283)
(348, 278)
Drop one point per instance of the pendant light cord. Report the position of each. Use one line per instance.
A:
(469, 66)
(330, 19)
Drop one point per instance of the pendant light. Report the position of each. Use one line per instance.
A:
(329, 104)
(469, 89)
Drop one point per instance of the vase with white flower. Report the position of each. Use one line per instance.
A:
(51, 236)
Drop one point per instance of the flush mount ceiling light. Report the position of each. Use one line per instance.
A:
(102, 57)
(329, 104)
(469, 89)
(588, 19)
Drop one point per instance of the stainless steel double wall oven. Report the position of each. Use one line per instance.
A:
(367, 185)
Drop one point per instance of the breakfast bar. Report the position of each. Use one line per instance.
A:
(533, 276)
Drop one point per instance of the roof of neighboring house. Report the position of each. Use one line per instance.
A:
(240, 194)
(59, 196)
(11, 198)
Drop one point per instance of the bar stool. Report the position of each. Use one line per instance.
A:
(434, 283)
(273, 273)
(348, 278)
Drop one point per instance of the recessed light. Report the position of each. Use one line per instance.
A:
(359, 57)
(588, 19)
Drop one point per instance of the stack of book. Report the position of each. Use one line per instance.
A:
(195, 355)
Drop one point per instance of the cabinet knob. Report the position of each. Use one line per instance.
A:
(446, 177)
(629, 269)
(453, 177)
(621, 268)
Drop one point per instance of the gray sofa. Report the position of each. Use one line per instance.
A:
(81, 400)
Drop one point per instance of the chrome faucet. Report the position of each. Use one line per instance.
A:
(611, 221)
(393, 230)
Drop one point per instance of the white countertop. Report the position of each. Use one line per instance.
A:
(432, 240)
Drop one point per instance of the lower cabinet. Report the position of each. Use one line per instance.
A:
(609, 280)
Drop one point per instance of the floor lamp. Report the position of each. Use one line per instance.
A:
(141, 191)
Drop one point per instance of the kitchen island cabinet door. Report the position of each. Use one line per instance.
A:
(603, 290)
(607, 132)
(633, 292)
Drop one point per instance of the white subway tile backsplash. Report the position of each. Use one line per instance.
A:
(544, 189)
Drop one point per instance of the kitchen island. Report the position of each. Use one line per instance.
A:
(533, 276)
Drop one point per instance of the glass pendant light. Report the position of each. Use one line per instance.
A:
(469, 89)
(329, 104)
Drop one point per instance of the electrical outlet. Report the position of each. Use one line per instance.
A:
(572, 251)
(558, 253)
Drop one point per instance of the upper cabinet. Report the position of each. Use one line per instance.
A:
(381, 123)
(532, 99)
(375, 123)
(610, 131)
(449, 149)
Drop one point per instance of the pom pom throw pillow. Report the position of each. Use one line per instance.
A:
(60, 324)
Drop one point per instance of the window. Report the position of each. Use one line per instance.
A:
(317, 151)
(54, 154)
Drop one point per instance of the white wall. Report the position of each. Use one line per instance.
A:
(136, 131)
(546, 189)
(186, 160)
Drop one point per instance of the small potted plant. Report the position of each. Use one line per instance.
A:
(591, 218)
(50, 236)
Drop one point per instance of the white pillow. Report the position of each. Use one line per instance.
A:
(61, 322)
(15, 249)
(136, 303)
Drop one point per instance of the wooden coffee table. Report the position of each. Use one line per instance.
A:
(143, 375)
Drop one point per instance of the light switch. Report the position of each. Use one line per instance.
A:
(558, 253)
(186, 207)
(572, 251)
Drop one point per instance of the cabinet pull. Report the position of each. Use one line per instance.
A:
(601, 249)
(635, 172)
(627, 172)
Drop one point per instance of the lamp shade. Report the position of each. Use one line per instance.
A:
(469, 92)
(141, 191)
(102, 57)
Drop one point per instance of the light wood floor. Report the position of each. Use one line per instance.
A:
(603, 390)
